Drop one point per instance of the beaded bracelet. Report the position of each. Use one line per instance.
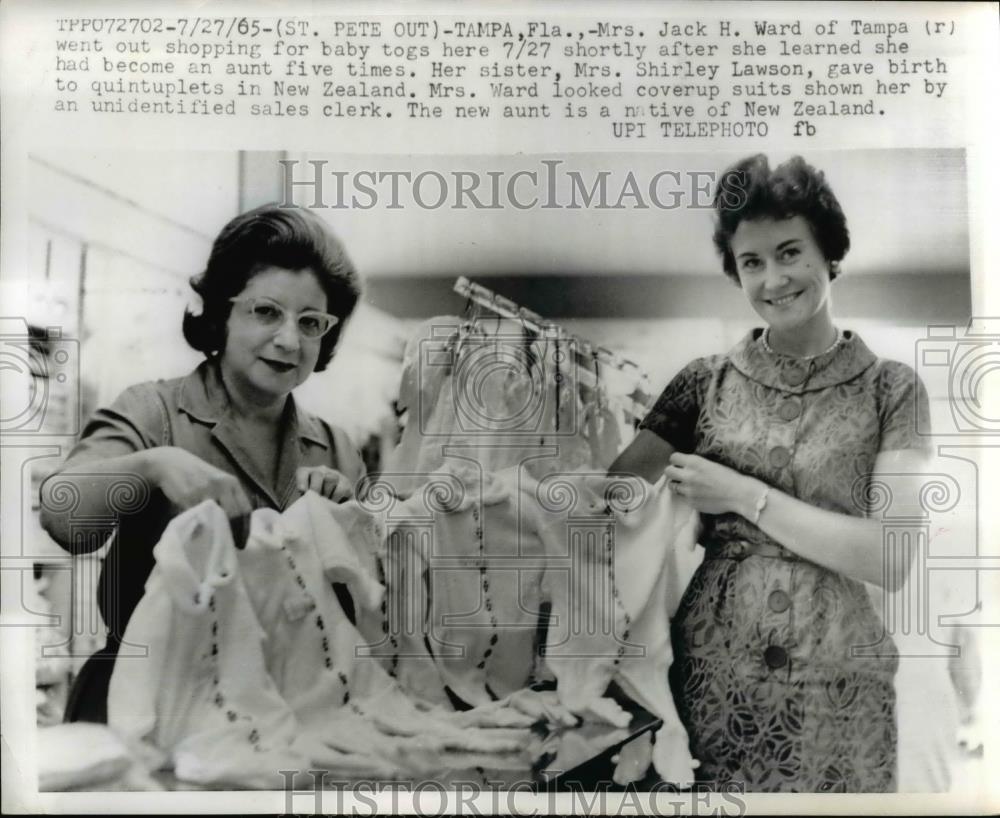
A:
(761, 503)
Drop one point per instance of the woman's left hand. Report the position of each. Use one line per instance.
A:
(710, 487)
(323, 480)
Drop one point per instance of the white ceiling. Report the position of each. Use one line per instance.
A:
(906, 209)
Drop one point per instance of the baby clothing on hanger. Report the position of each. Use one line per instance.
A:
(400, 637)
(425, 393)
(562, 428)
(497, 390)
(603, 433)
(491, 391)
(480, 590)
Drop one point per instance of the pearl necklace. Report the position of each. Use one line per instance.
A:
(831, 348)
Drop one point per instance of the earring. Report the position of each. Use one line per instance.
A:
(834, 268)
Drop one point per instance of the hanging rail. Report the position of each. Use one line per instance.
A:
(506, 308)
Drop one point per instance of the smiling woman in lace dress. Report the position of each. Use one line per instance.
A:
(783, 674)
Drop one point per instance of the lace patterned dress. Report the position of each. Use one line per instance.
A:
(766, 678)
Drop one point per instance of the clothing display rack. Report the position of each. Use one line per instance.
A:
(635, 405)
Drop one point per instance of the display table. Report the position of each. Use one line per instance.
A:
(571, 758)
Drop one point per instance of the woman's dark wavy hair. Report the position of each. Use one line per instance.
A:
(271, 236)
(751, 190)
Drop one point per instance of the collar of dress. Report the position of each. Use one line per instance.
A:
(845, 362)
(203, 397)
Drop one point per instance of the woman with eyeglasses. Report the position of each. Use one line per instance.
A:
(276, 292)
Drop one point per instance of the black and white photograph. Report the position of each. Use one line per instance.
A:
(430, 466)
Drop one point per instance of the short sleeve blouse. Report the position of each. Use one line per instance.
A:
(192, 413)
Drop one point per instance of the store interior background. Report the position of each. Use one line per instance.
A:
(113, 240)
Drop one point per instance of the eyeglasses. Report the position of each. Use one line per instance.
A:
(271, 315)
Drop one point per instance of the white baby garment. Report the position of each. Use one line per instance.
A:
(610, 600)
(201, 701)
(351, 711)
(480, 595)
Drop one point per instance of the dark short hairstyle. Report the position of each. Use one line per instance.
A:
(271, 236)
(750, 190)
